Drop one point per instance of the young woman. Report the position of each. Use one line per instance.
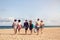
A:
(14, 25)
(19, 26)
(35, 28)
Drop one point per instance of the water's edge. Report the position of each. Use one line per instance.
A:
(10, 27)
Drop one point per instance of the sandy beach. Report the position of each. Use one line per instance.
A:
(48, 34)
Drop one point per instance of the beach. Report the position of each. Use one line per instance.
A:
(52, 33)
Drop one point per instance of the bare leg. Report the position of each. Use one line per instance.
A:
(19, 30)
(31, 31)
(35, 30)
(41, 30)
(15, 31)
(25, 31)
(38, 32)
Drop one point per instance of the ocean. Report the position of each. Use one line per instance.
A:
(10, 27)
(5, 27)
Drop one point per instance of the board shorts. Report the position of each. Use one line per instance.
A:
(41, 26)
(26, 28)
(38, 27)
(31, 28)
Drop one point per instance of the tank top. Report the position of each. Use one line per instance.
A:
(15, 24)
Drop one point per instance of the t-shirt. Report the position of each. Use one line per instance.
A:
(31, 26)
(38, 23)
(26, 24)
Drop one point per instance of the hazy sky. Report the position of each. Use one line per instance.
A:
(47, 10)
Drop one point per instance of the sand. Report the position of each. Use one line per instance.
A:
(48, 34)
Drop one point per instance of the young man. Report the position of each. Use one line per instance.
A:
(26, 26)
(38, 25)
(41, 25)
(30, 26)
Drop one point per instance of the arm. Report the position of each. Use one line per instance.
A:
(12, 25)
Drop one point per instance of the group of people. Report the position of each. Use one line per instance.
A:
(28, 25)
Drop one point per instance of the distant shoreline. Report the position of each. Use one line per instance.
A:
(10, 27)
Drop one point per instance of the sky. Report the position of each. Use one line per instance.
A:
(46, 10)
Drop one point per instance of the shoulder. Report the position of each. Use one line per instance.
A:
(19, 22)
(14, 22)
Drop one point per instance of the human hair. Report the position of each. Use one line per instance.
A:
(15, 20)
(41, 20)
(25, 20)
(30, 21)
(38, 19)
(19, 20)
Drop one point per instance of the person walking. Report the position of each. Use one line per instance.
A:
(19, 26)
(41, 26)
(30, 26)
(38, 25)
(26, 25)
(14, 25)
